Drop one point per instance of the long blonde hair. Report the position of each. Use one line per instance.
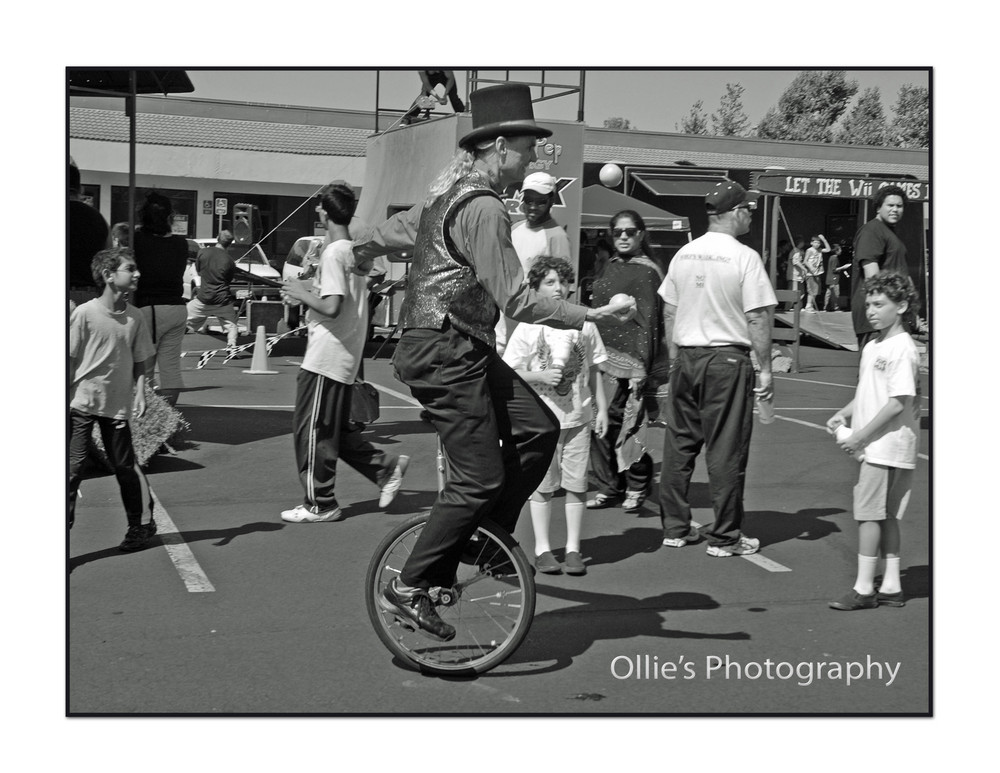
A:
(457, 168)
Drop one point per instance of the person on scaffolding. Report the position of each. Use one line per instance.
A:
(429, 79)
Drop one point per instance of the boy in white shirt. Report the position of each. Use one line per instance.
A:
(337, 300)
(572, 393)
(885, 438)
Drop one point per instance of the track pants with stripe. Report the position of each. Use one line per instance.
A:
(324, 433)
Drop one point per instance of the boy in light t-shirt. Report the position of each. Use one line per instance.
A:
(109, 344)
(886, 432)
(337, 303)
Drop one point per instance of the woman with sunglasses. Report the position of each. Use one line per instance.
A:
(632, 348)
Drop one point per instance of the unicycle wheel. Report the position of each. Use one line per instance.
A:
(490, 605)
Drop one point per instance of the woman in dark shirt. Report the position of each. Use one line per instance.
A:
(162, 257)
(632, 348)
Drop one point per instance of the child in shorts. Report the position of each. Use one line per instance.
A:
(572, 392)
(885, 436)
(109, 344)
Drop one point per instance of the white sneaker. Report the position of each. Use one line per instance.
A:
(744, 547)
(391, 487)
(303, 514)
(633, 501)
(678, 542)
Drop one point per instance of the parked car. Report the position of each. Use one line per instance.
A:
(250, 259)
(304, 253)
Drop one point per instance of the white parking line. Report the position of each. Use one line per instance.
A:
(826, 383)
(183, 559)
(400, 395)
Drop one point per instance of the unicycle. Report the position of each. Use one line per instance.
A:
(491, 603)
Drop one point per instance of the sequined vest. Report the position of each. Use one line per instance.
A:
(441, 285)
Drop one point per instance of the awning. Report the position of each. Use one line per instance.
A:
(600, 204)
(116, 82)
(686, 184)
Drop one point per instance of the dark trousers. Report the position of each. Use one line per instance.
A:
(117, 437)
(711, 395)
(476, 402)
(603, 463)
(324, 433)
(437, 79)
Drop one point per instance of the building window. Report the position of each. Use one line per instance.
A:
(184, 203)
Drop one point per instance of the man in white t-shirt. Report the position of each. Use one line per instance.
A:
(337, 302)
(537, 235)
(718, 304)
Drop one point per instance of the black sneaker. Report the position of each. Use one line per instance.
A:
(136, 538)
(417, 608)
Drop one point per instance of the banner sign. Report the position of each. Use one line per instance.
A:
(835, 186)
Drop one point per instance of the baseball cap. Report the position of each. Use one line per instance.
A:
(540, 182)
(728, 195)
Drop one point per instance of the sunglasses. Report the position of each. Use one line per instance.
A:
(629, 232)
(751, 205)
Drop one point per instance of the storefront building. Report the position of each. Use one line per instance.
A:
(209, 156)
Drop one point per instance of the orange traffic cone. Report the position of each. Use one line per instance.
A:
(259, 365)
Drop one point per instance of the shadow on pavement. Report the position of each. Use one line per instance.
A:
(235, 426)
(405, 503)
(222, 536)
(565, 634)
(772, 527)
(171, 463)
(386, 432)
(916, 581)
(612, 548)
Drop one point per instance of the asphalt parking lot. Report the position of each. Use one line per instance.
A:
(232, 611)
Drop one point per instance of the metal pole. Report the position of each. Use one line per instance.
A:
(130, 108)
(377, 84)
(775, 223)
(583, 81)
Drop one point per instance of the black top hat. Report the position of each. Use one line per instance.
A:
(501, 111)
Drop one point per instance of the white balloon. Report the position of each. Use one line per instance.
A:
(611, 175)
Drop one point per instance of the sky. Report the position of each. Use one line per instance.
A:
(653, 100)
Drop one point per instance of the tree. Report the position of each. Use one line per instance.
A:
(865, 125)
(731, 120)
(809, 107)
(910, 128)
(696, 122)
(622, 124)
